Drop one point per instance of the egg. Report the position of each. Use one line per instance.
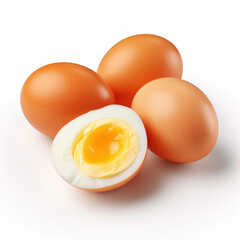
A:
(180, 121)
(56, 93)
(136, 60)
(100, 150)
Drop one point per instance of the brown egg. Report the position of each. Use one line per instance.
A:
(180, 121)
(57, 93)
(137, 60)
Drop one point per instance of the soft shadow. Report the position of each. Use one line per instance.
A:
(42, 139)
(219, 161)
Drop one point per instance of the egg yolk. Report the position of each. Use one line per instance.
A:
(105, 148)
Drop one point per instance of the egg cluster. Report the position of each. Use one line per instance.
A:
(103, 122)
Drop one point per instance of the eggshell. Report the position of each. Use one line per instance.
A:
(136, 60)
(180, 121)
(56, 93)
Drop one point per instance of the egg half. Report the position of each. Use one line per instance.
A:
(102, 149)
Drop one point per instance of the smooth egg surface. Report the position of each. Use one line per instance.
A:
(136, 60)
(56, 93)
(180, 121)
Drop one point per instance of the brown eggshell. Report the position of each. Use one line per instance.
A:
(136, 60)
(180, 121)
(56, 93)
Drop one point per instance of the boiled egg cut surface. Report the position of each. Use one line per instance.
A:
(102, 149)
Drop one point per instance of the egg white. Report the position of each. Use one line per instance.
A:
(62, 147)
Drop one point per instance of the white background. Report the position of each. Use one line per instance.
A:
(165, 201)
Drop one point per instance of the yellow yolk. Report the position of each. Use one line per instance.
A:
(105, 148)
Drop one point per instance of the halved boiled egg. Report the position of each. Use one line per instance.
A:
(102, 149)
